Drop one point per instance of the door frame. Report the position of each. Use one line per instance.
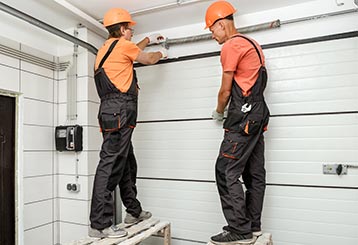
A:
(19, 187)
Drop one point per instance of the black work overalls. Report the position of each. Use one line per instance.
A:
(242, 154)
(117, 118)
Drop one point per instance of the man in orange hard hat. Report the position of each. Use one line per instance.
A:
(117, 87)
(241, 154)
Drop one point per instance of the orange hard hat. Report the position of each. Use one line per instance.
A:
(116, 16)
(218, 10)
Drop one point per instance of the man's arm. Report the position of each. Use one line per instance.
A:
(144, 43)
(225, 91)
(150, 58)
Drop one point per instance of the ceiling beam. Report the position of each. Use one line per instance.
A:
(87, 20)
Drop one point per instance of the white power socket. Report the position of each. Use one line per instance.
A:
(73, 187)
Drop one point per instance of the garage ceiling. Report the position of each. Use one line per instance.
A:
(65, 14)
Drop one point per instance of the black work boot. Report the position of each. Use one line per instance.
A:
(228, 237)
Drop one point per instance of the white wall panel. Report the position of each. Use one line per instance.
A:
(87, 163)
(178, 90)
(38, 188)
(92, 138)
(297, 147)
(300, 81)
(87, 113)
(71, 232)
(9, 79)
(38, 138)
(74, 211)
(317, 77)
(184, 150)
(28, 67)
(85, 63)
(38, 112)
(37, 86)
(309, 215)
(39, 236)
(192, 208)
(37, 214)
(8, 61)
(38, 163)
(86, 90)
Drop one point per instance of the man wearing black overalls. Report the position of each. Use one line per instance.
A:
(117, 87)
(242, 150)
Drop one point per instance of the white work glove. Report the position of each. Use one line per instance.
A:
(164, 52)
(217, 116)
(156, 38)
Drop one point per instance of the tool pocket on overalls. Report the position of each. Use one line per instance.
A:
(250, 126)
(232, 147)
(109, 122)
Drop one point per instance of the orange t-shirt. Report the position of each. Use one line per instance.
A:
(119, 64)
(240, 56)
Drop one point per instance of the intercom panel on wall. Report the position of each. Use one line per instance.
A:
(69, 138)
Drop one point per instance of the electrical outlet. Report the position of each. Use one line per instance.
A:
(73, 187)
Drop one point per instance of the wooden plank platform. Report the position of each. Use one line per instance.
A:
(136, 234)
(264, 239)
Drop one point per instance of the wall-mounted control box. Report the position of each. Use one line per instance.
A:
(68, 138)
(337, 169)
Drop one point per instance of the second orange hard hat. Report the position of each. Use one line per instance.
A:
(218, 10)
(116, 16)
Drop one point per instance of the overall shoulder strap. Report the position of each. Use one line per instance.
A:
(257, 50)
(109, 51)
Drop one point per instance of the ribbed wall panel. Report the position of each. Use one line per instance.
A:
(312, 94)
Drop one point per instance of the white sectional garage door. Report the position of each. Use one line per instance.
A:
(313, 97)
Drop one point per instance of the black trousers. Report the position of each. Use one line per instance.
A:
(117, 166)
(241, 156)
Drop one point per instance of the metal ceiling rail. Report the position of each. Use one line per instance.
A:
(203, 37)
(259, 27)
(14, 12)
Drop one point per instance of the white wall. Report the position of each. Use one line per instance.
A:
(48, 212)
(36, 90)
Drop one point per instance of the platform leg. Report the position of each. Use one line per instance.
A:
(167, 235)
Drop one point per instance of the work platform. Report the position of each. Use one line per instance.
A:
(136, 234)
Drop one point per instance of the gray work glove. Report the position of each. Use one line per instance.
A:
(217, 116)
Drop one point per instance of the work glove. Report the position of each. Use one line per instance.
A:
(217, 116)
(155, 38)
(164, 52)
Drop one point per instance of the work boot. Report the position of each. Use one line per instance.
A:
(228, 237)
(129, 219)
(110, 232)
